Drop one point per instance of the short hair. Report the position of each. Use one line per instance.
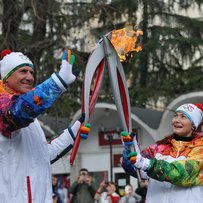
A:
(84, 169)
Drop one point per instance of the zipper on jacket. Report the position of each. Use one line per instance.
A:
(179, 146)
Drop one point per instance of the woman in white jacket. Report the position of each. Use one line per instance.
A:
(174, 164)
(25, 155)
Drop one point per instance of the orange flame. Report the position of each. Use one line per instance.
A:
(125, 41)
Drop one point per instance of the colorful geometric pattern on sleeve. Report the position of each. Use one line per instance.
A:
(17, 111)
(185, 171)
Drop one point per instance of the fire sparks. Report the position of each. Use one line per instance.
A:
(125, 41)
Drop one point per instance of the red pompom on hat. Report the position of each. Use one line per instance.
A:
(5, 52)
(200, 106)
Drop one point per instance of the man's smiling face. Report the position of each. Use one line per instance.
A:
(21, 80)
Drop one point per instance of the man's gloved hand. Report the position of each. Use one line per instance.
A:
(84, 130)
(76, 126)
(82, 118)
(66, 67)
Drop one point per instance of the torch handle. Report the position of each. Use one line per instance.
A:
(75, 148)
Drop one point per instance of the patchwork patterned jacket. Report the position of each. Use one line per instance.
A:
(176, 171)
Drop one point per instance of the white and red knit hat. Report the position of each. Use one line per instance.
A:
(194, 112)
(11, 61)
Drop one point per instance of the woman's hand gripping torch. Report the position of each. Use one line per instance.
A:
(131, 149)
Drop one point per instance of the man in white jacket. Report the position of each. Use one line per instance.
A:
(25, 155)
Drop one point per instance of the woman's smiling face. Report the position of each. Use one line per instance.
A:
(182, 126)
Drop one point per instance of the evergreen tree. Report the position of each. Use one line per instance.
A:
(171, 61)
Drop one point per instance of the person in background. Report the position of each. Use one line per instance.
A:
(130, 196)
(55, 198)
(54, 180)
(142, 189)
(175, 163)
(106, 193)
(25, 166)
(60, 190)
(83, 190)
(63, 192)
